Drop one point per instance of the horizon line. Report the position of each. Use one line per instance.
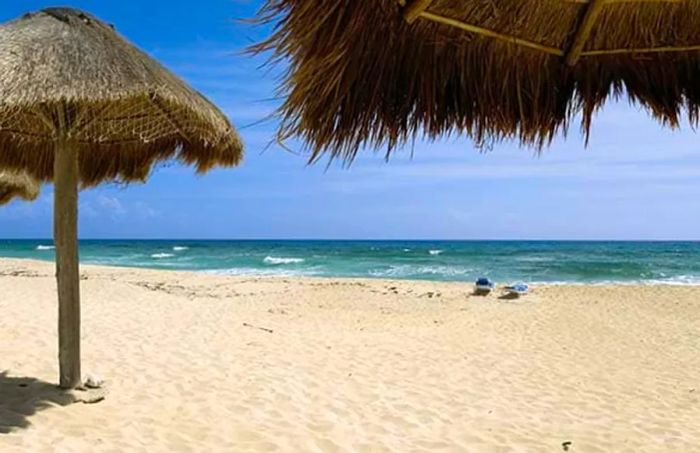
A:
(357, 240)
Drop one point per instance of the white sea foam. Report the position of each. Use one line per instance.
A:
(251, 271)
(180, 248)
(274, 260)
(435, 252)
(685, 280)
(411, 271)
(45, 247)
(681, 280)
(162, 255)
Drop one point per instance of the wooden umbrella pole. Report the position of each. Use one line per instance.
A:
(67, 270)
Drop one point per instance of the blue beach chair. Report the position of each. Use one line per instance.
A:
(517, 289)
(483, 286)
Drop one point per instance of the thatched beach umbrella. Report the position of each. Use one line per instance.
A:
(80, 105)
(382, 72)
(17, 185)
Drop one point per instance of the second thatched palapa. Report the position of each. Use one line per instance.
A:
(382, 72)
(122, 110)
(80, 105)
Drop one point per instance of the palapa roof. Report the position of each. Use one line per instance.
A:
(382, 72)
(65, 70)
(17, 184)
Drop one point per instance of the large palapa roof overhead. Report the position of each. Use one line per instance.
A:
(381, 72)
(65, 70)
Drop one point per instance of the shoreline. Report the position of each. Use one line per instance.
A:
(270, 275)
(204, 362)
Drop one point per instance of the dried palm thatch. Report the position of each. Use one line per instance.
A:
(381, 72)
(17, 185)
(65, 69)
(79, 105)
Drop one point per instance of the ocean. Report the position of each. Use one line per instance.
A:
(503, 261)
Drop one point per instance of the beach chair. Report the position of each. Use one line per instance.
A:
(516, 290)
(483, 286)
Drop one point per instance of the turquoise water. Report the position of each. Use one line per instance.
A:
(503, 261)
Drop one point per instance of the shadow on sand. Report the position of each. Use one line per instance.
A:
(22, 397)
(509, 296)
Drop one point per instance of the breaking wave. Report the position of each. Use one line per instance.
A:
(274, 260)
(162, 255)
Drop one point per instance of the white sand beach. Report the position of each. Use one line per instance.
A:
(196, 362)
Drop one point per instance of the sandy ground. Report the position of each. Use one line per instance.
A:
(349, 365)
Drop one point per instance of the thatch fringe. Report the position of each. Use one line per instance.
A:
(116, 146)
(17, 184)
(360, 75)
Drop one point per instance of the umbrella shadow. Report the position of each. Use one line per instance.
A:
(22, 397)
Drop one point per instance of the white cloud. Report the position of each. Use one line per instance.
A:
(112, 205)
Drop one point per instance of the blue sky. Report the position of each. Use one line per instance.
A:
(635, 180)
